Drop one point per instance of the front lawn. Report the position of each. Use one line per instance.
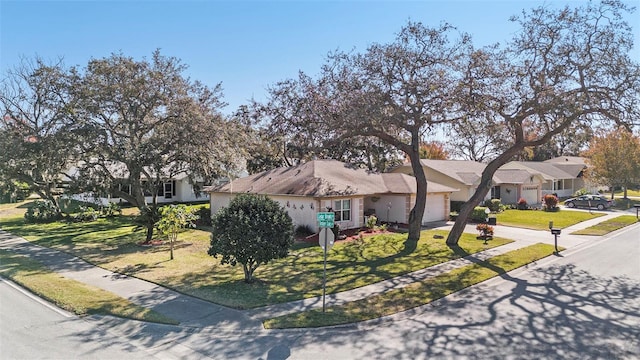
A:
(415, 294)
(620, 193)
(608, 226)
(539, 219)
(111, 244)
(71, 295)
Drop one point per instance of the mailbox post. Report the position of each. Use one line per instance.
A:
(637, 206)
(556, 233)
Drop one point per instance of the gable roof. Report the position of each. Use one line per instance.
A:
(549, 171)
(464, 171)
(567, 160)
(323, 178)
(511, 176)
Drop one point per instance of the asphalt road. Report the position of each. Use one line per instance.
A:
(583, 304)
(31, 328)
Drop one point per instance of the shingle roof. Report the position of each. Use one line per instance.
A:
(511, 176)
(464, 171)
(567, 160)
(549, 171)
(320, 178)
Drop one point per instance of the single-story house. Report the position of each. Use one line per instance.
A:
(174, 188)
(562, 176)
(329, 185)
(509, 185)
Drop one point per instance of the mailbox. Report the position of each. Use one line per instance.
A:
(556, 233)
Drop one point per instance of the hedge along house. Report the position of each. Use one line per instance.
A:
(329, 185)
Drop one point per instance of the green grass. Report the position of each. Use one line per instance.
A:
(539, 220)
(69, 294)
(415, 294)
(608, 226)
(111, 244)
(620, 193)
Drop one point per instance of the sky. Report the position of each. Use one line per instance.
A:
(245, 45)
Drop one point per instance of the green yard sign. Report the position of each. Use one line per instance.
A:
(326, 219)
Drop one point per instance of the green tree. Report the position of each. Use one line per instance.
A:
(564, 67)
(392, 93)
(143, 122)
(36, 139)
(173, 219)
(614, 159)
(251, 231)
(296, 126)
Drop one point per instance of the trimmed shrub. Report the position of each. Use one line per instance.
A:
(485, 230)
(42, 211)
(204, 216)
(495, 205)
(251, 231)
(522, 204)
(581, 192)
(371, 222)
(479, 214)
(302, 231)
(550, 202)
(86, 214)
(112, 209)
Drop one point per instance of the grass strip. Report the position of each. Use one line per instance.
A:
(413, 295)
(72, 295)
(112, 245)
(608, 226)
(539, 220)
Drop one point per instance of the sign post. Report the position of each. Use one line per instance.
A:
(326, 238)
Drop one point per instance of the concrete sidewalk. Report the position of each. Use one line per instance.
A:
(189, 311)
(521, 237)
(193, 312)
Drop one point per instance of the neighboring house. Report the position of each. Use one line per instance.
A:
(174, 188)
(562, 176)
(330, 185)
(509, 185)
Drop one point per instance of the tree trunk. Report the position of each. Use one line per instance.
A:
(248, 273)
(625, 191)
(415, 216)
(482, 190)
(170, 247)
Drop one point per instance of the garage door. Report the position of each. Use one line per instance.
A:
(435, 210)
(530, 193)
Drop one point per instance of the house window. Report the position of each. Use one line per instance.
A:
(495, 192)
(168, 190)
(342, 209)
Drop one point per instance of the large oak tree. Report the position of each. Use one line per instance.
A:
(144, 122)
(36, 140)
(393, 93)
(563, 67)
